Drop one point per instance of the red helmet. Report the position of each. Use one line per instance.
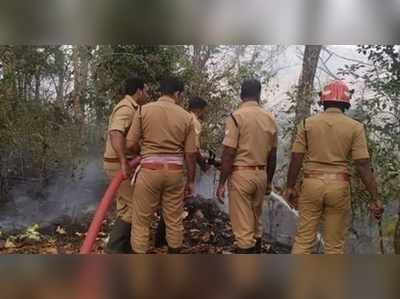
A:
(336, 91)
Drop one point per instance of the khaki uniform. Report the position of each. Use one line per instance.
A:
(329, 140)
(254, 136)
(165, 129)
(120, 120)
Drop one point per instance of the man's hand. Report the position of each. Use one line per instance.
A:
(376, 208)
(125, 169)
(221, 193)
(291, 197)
(189, 190)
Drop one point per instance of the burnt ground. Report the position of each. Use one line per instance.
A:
(207, 231)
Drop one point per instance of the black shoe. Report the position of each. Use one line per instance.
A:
(160, 239)
(258, 246)
(250, 250)
(120, 238)
(174, 250)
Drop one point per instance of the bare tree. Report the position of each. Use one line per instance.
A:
(201, 55)
(80, 58)
(60, 66)
(306, 81)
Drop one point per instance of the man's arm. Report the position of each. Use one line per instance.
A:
(118, 143)
(271, 165)
(230, 142)
(190, 160)
(360, 156)
(228, 156)
(190, 150)
(134, 135)
(296, 162)
(120, 122)
(299, 150)
(363, 167)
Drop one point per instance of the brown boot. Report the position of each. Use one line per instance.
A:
(160, 239)
(258, 246)
(251, 250)
(174, 250)
(120, 238)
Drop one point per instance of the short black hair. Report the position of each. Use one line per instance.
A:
(170, 85)
(197, 103)
(132, 84)
(251, 88)
(333, 104)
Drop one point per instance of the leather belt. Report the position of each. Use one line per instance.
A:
(329, 176)
(160, 166)
(114, 160)
(235, 168)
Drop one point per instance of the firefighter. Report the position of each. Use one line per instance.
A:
(326, 142)
(168, 143)
(116, 157)
(197, 108)
(248, 163)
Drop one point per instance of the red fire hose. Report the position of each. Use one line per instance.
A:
(102, 209)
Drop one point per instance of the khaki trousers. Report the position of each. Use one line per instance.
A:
(155, 188)
(328, 201)
(124, 193)
(246, 195)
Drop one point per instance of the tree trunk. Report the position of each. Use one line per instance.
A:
(8, 62)
(76, 95)
(197, 55)
(101, 80)
(201, 54)
(37, 85)
(306, 82)
(60, 64)
(80, 63)
(84, 56)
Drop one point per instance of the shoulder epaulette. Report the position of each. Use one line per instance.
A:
(234, 120)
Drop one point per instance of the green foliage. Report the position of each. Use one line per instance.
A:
(111, 65)
(36, 139)
(55, 101)
(380, 113)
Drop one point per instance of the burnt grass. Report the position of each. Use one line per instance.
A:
(207, 231)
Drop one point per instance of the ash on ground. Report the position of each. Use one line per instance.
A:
(207, 231)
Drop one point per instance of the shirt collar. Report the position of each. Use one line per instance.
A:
(132, 101)
(333, 110)
(167, 99)
(249, 104)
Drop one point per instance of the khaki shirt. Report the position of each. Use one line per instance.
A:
(197, 129)
(120, 120)
(254, 137)
(164, 127)
(333, 139)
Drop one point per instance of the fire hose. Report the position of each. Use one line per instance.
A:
(103, 208)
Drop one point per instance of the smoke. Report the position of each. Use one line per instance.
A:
(66, 199)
